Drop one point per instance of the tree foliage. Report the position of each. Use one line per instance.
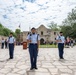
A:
(69, 25)
(66, 30)
(1, 29)
(17, 32)
(5, 31)
(53, 26)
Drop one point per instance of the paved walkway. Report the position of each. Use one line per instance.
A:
(48, 62)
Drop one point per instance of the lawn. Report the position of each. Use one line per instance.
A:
(48, 46)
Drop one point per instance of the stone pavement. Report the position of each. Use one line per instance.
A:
(48, 62)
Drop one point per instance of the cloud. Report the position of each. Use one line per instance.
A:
(33, 12)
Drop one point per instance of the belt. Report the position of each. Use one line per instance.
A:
(11, 43)
(60, 43)
(33, 43)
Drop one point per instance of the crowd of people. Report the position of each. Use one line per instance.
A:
(69, 42)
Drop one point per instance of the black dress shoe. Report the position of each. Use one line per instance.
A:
(9, 59)
(36, 68)
(61, 58)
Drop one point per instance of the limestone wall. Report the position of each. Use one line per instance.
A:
(45, 33)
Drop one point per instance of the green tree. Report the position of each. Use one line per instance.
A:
(72, 15)
(73, 31)
(1, 29)
(6, 31)
(1, 25)
(69, 25)
(14, 34)
(17, 32)
(66, 30)
(53, 26)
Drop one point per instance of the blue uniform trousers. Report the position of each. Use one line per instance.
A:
(33, 54)
(61, 50)
(11, 50)
(2, 45)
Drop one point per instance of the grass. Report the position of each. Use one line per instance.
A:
(48, 46)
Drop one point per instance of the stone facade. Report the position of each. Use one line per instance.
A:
(46, 34)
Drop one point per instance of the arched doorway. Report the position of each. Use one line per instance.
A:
(41, 41)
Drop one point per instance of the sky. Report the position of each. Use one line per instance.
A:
(33, 13)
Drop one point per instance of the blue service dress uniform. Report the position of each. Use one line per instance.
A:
(11, 41)
(61, 46)
(33, 48)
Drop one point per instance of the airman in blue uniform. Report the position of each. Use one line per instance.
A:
(33, 41)
(61, 40)
(11, 43)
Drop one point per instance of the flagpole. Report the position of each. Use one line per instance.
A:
(20, 32)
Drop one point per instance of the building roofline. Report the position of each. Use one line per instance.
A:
(43, 26)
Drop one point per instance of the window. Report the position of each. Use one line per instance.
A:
(55, 38)
(41, 32)
(54, 33)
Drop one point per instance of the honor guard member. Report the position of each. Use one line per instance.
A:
(11, 43)
(33, 40)
(61, 40)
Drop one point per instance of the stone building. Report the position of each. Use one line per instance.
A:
(46, 35)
